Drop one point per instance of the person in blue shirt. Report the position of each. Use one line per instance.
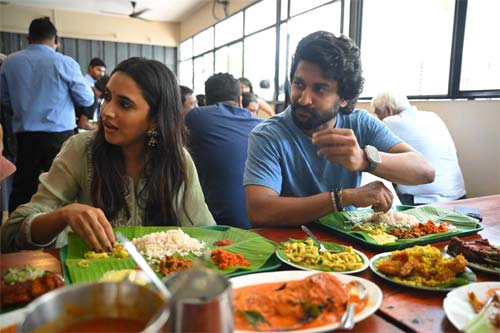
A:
(40, 85)
(218, 138)
(96, 70)
(307, 161)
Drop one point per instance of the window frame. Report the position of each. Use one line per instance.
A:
(353, 10)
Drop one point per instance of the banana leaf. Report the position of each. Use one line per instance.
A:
(255, 248)
(341, 222)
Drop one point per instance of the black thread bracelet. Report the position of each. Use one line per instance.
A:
(338, 198)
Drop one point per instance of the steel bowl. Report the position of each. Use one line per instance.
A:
(68, 305)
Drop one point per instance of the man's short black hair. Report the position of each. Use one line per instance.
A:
(41, 29)
(97, 62)
(339, 59)
(247, 98)
(184, 92)
(222, 87)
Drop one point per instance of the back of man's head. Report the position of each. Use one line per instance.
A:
(41, 29)
(247, 98)
(385, 99)
(101, 83)
(338, 58)
(96, 62)
(222, 87)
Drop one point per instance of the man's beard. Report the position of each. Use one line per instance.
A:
(315, 120)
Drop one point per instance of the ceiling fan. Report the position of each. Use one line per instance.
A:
(134, 14)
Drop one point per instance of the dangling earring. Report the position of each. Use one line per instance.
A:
(152, 137)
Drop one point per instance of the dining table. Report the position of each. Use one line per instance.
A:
(406, 309)
(403, 309)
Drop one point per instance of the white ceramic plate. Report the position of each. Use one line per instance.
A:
(479, 267)
(366, 262)
(12, 318)
(457, 306)
(374, 292)
(388, 278)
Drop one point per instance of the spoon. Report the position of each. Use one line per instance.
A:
(139, 260)
(347, 320)
(322, 248)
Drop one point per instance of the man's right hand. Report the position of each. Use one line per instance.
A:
(373, 194)
(90, 224)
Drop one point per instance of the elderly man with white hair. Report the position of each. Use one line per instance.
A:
(428, 134)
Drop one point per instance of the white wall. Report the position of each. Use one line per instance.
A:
(475, 128)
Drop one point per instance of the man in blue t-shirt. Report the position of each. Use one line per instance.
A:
(307, 161)
(218, 139)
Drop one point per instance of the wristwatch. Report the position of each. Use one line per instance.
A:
(373, 157)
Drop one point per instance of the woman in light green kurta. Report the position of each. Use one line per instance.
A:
(132, 171)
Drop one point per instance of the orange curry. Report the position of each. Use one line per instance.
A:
(317, 300)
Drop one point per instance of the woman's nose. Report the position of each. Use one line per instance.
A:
(107, 110)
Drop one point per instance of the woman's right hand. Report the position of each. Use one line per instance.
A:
(90, 224)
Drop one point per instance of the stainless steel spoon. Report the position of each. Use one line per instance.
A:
(347, 320)
(321, 247)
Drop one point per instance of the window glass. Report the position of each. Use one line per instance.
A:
(326, 18)
(186, 49)
(404, 51)
(260, 15)
(203, 41)
(299, 6)
(186, 73)
(203, 69)
(229, 29)
(259, 61)
(284, 9)
(481, 56)
(229, 60)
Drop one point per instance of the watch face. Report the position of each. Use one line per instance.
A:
(373, 154)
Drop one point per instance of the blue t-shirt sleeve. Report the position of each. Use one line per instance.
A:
(5, 98)
(263, 162)
(377, 134)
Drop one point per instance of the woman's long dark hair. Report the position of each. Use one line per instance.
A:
(165, 169)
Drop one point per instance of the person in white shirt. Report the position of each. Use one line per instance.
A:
(428, 134)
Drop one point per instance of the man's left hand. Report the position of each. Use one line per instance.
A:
(340, 145)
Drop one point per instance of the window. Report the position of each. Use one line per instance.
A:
(299, 6)
(186, 49)
(410, 51)
(424, 48)
(481, 56)
(203, 41)
(260, 15)
(229, 29)
(229, 59)
(186, 73)
(259, 61)
(203, 69)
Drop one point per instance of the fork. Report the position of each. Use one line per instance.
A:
(322, 248)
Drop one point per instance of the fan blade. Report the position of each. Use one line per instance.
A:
(138, 13)
(113, 13)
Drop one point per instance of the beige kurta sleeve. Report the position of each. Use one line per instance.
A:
(58, 187)
(196, 207)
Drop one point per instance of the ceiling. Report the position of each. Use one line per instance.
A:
(160, 10)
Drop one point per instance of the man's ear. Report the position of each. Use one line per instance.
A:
(343, 103)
